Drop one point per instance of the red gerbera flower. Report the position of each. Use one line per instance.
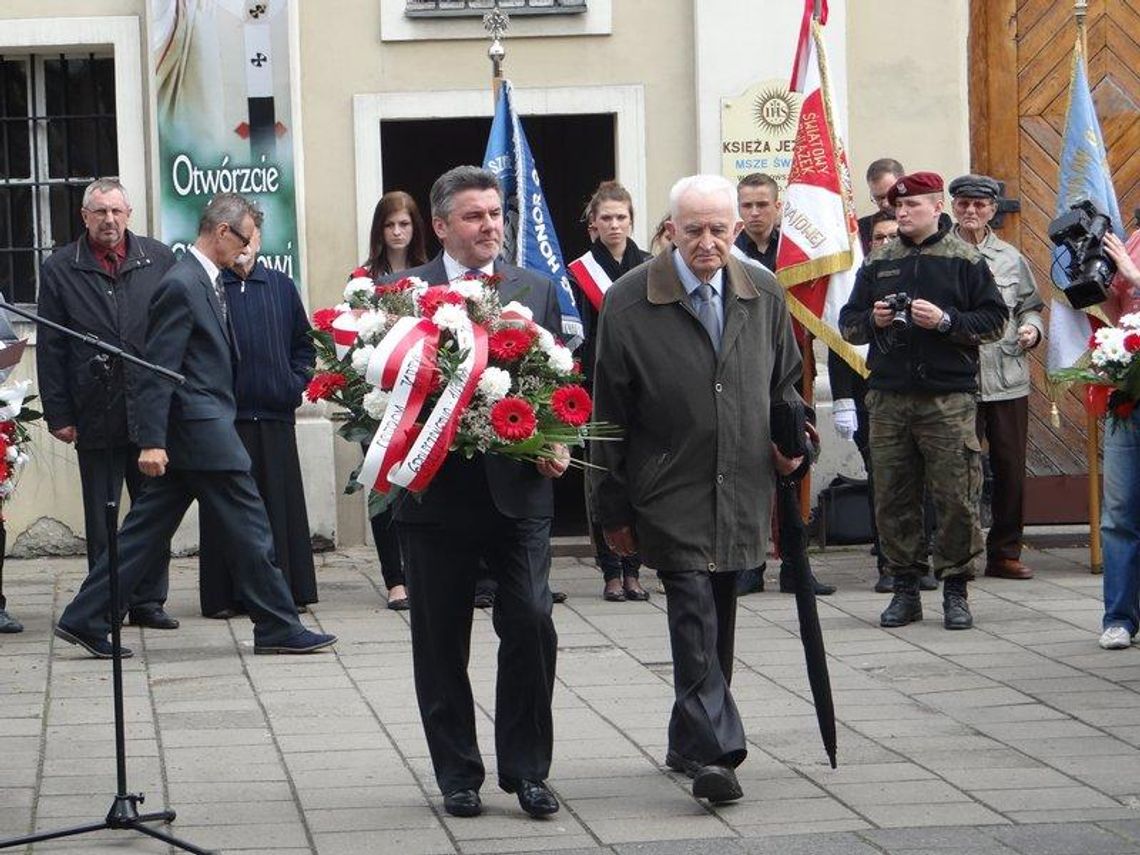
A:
(1132, 342)
(510, 343)
(324, 384)
(323, 319)
(572, 405)
(513, 419)
(435, 297)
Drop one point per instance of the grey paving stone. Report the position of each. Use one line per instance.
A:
(1075, 839)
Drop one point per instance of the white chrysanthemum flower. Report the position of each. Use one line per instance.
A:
(375, 403)
(342, 307)
(495, 384)
(450, 317)
(519, 308)
(360, 357)
(372, 326)
(469, 289)
(417, 286)
(361, 286)
(1131, 320)
(561, 359)
(546, 341)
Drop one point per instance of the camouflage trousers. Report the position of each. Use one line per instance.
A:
(926, 440)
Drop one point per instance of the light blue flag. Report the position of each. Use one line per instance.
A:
(1084, 174)
(529, 239)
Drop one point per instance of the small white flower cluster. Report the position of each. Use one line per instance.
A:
(475, 424)
(495, 384)
(358, 290)
(361, 356)
(1110, 349)
(468, 289)
(375, 403)
(1130, 321)
(372, 325)
(450, 317)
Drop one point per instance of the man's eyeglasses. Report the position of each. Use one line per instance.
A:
(876, 239)
(976, 204)
(102, 212)
(244, 240)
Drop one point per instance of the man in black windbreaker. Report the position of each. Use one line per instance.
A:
(924, 304)
(102, 284)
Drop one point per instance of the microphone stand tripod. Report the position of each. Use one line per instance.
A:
(124, 812)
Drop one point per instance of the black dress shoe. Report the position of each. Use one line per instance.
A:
(152, 619)
(9, 624)
(788, 585)
(682, 764)
(718, 784)
(400, 604)
(558, 596)
(463, 803)
(484, 601)
(224, 614)
(100, 648)
(534, 797)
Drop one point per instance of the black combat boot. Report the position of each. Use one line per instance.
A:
(906, 605)
(885, 583)
(955, 609)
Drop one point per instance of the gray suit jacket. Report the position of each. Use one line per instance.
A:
(194, 422)
(517, 489)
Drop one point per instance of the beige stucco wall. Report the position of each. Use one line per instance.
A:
(908, 98)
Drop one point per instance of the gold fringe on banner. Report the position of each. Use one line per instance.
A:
(828, 335)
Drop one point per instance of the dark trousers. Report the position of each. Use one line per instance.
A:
(233, 501)
(1005, 426)
(387, 540)
(705, 726)
(442, 565)
(155, 582)
(276, 469)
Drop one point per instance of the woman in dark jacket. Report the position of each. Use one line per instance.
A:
(395, 243)
(609, 217)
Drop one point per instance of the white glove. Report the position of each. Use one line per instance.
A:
(846, 422)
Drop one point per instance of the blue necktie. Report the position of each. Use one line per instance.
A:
(706, 313)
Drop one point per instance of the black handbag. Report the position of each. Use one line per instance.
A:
(844, 512)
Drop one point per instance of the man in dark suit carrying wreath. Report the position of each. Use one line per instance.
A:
(490, 509)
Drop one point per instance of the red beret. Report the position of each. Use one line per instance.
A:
(915, 184)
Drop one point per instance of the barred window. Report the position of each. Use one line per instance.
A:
(57, 134)
(448, 8)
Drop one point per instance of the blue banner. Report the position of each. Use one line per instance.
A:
(529, 237)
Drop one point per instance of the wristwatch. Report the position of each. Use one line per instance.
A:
(944, 322)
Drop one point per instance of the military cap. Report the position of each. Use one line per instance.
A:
(915, 184)
(975, 187)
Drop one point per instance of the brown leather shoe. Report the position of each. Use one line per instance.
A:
(1008, 568)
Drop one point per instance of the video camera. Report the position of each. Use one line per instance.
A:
(1081, 231)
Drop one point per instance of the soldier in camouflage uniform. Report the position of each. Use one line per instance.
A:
(923, 360)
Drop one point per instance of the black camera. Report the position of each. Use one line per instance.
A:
(900, 305)
(1081, 231)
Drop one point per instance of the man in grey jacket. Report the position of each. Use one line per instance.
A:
(693, 348)
(1003, 371)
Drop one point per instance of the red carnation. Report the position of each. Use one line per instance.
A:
(359, 273)
(513, 419)
(437, 296)
(510, 343)
(572, 405)
(8, 430)
(1132, 342)
(323, 319)
(324, 384)
(1092, 341)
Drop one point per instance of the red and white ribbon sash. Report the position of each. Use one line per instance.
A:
(405, 362)
(345, 328)
(591, 278)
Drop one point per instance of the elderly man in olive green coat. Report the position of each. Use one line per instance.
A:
(693, 347)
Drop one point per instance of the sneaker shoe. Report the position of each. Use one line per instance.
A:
(305, 641)
(1116, 638)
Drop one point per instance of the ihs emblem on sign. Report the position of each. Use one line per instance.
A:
(257, 10)
(775, 110)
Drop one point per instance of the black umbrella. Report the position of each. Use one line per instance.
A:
(788, 432)
(793, 548)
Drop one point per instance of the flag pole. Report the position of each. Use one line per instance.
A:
(1092, 443)
(496, 22)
